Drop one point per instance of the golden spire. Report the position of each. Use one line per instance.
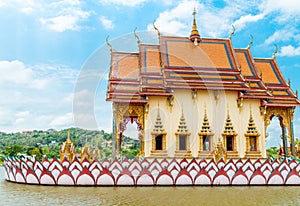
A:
(251, 125)
(182, 127)
(195, 36)
(228, 129)
(205, 124)
(158, 126)
(68, 139)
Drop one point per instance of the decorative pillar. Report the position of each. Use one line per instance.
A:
(290, 115)
(114, 133)
(285, 150)
(292, 143)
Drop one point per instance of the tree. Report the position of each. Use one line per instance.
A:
(272, 152)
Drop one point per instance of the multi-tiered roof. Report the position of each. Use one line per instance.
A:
(196, 63)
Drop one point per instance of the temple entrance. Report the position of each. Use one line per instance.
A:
(129, 137)
(123, 115)
(277, 138)
(284, 118)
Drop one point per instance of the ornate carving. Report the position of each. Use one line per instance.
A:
(194, 94)
(252, 139)
(232, 33)
(129, 112)
(183, 132)
(170, 100)
(240, 102)
(251, 42)
(217, 95)
(286, 114)
(67, 149)
(275, 52)
(219, 152)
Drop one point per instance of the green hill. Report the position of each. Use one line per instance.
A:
(47, 143)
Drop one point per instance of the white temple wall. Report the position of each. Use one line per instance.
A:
(217, 104)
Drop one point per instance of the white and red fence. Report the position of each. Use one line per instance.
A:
(153, 172)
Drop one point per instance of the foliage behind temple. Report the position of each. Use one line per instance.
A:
(39, 143)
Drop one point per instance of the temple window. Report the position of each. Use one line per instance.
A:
(205, 139)
(159, 142)
(182, 139)
(229, 138)
(182, 142)
(252, 143)
(252, 139)
(229, 143)
(158, 138)
(206, 145)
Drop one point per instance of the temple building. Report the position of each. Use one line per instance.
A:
(189, 94)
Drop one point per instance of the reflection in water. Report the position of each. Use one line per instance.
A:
(19, 194)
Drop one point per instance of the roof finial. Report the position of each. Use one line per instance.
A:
(251, 42)
(108, 44)
(158, 32)
(232, 33)
(136, 36)
(195, 37)
(275, 52)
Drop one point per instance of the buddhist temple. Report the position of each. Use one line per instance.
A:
(191, 95)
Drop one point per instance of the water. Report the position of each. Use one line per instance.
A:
(20, 194)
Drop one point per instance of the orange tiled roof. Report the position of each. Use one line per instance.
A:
(212, 64)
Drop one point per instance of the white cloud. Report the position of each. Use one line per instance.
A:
(2, 4)
(289, 51)
(176, 20)
(68, 21)
(129, 3)
(107, 23)
(23, 6)
(243, 20)
(59, 15)
(65, 120)
(283, 35)
(211, 21)
(284, 10)
(14, 72)
(17, 73)
(35, 96)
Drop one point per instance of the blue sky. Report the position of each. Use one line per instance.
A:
(46, 46)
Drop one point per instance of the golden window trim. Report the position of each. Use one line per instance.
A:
(210, 136)
(188, 134)
(234, 134)
(164, 140)
(256, 135)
